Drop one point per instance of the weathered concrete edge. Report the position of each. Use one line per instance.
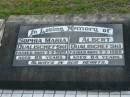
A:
(2, 26)
(71, 18)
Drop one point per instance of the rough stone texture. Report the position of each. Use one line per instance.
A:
(1, 29)
(77, 18)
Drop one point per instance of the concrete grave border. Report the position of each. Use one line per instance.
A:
(2, 26)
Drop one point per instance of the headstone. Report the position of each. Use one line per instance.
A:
(66, 52)
(67, 45)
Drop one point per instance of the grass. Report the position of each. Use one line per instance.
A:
(17, 7)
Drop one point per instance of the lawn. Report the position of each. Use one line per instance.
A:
(17, 7)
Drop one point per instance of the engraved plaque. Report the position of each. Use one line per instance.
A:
(70, 45)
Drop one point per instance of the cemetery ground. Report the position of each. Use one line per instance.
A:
(18, 7)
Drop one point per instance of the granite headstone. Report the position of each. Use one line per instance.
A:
(66, 52)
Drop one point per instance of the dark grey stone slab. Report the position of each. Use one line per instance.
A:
(70, 45)
(64, 77)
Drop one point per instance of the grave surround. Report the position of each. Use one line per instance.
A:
(1, 29)
(62, 77)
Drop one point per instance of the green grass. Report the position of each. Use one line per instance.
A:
(17, 7)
